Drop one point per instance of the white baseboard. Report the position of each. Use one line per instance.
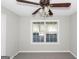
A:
(73, 54)
(14, 55)
(43, 51)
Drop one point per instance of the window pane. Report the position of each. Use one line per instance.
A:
(51, 27)
(51, 37)
(42, 28)
(36, 37)
(41, 37)
(35, 28)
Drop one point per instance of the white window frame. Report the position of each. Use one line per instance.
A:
(45, 36)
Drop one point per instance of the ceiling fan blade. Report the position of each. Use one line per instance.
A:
(50, 12)
(24, 1)
(60, 5)
(36, 11)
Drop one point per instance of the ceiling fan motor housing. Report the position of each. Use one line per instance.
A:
(44, 2)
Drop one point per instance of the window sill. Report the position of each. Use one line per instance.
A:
(45, 43)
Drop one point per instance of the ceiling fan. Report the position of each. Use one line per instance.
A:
(45, 6)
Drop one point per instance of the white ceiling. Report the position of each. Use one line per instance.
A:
(22, 9)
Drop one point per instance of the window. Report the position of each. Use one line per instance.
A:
(38, 31)
(45, 31)
(51, 31)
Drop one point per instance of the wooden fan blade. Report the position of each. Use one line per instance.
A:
(24, 1)
(50, 12)
(60, 5)
(36, 11)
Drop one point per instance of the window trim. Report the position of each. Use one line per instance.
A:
(44, 39)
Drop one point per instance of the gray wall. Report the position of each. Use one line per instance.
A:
(3, 34)
(73, 34)
(25, 35)
(12, 25)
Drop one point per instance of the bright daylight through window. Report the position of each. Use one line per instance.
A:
(44, 31)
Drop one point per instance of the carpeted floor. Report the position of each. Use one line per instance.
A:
(5, 57)
(44, 56)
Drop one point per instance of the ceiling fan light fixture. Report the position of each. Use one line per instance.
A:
(46, 10)
(41, 12)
